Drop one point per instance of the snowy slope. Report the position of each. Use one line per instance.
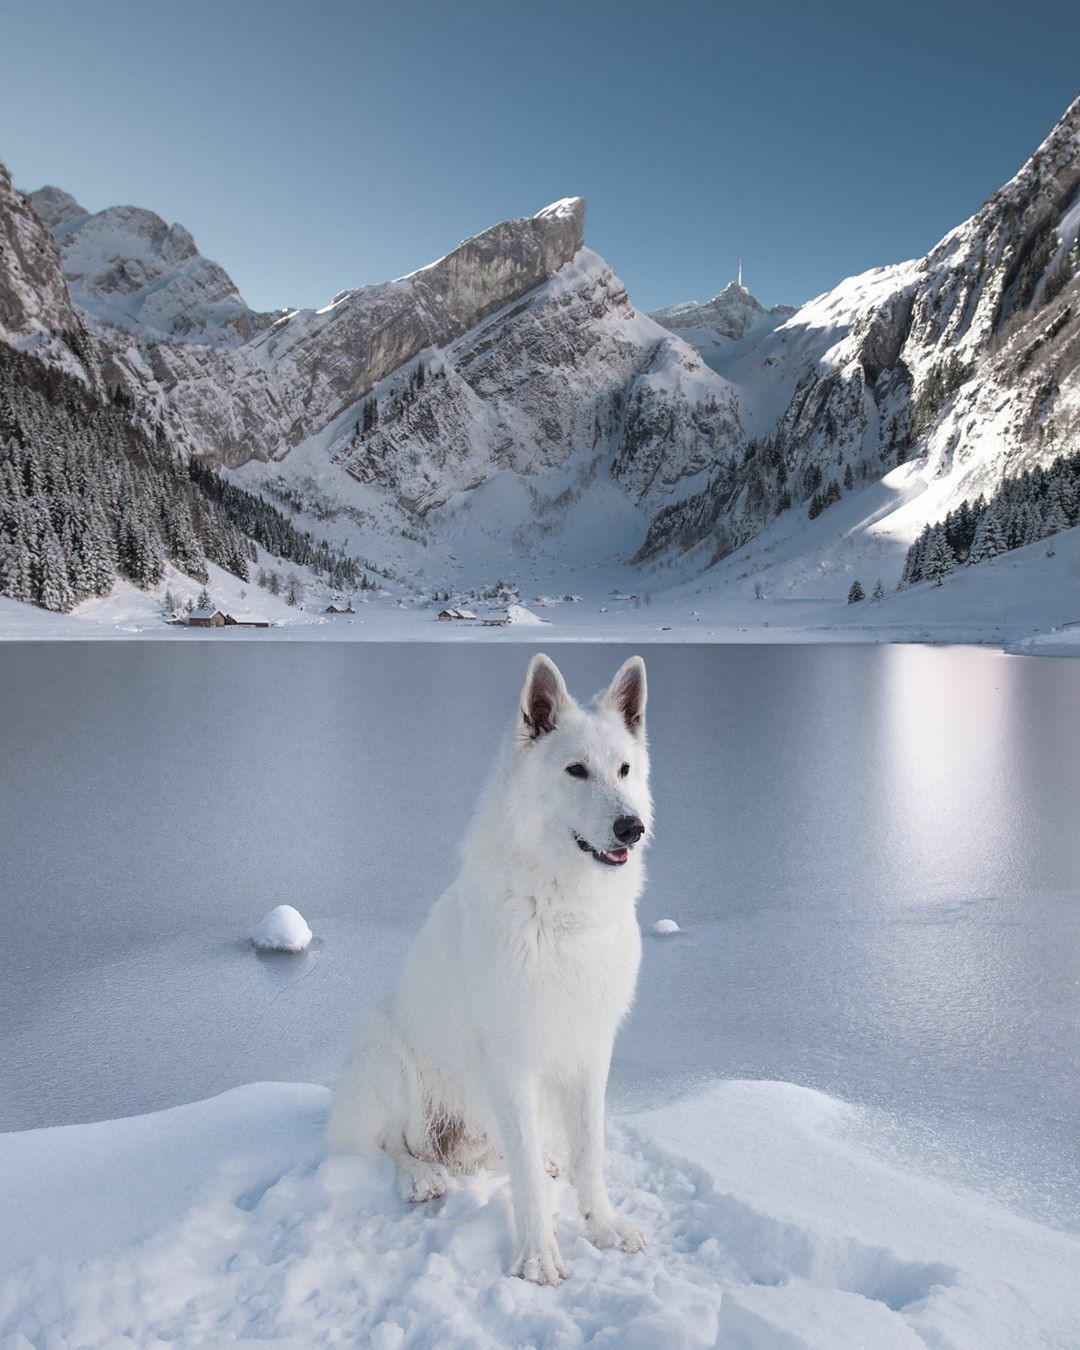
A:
(773, 1222)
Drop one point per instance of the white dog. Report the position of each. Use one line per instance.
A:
(514, 988)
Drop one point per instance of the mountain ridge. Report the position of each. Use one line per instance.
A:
(520, 353)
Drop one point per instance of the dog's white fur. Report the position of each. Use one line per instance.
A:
(512, 993)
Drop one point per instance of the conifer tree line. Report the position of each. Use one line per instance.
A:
(86, 495)
(267, 526)
(1023, 510)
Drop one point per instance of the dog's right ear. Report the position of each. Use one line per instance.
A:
(542, 699)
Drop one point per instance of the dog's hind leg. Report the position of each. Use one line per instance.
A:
(417, 1179)
(379, 1104)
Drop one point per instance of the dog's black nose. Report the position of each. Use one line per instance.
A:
(628, 829)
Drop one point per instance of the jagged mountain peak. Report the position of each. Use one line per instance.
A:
(731, 313)
(56, 207)
(129, 269)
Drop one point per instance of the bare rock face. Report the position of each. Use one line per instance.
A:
(34, 302)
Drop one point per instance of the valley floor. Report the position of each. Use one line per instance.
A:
(1026, 601)
(772, 1223)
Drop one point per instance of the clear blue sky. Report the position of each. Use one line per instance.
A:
(315, 145)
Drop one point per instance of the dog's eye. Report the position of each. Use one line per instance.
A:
(624, 769)
(577, 771)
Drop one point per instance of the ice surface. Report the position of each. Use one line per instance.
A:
(284, 929)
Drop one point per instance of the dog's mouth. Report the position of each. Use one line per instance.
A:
(610, 857)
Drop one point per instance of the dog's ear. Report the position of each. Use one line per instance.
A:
(542, 699)
(627, 693)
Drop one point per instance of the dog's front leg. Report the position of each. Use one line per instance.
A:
(517, 1108)
(583, 1100)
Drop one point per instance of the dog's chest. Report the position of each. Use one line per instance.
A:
(571, 983)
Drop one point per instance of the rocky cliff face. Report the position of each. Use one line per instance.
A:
(35, 308)
(570, 369)
(966, 362)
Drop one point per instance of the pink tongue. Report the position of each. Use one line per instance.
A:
(616, 854)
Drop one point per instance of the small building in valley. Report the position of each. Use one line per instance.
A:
(246, 621)
(457, 614)
(207, 618)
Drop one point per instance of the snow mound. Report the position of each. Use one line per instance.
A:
(519, 614)
(769, 1225)
(665, 927)
(283, 930)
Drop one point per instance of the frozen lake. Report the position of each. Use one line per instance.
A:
(873, 852)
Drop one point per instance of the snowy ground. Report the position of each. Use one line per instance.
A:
(770, 1225)
(1021, 600)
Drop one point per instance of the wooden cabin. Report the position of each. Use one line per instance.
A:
(207, 618)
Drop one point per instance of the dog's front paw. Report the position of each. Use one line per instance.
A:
(540, 1263)
(613, 1231)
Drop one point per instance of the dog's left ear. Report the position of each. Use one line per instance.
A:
(627, 693)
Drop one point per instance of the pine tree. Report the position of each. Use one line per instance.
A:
(879, 592)
(989, 539)
(856, 593)
(204, 601)
(16, 564)
(53, 585)
(1055, 519)
(849, 479)
(938, 560)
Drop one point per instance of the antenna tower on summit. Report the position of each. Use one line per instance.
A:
(740, 274)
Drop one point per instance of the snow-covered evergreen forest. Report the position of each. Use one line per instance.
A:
(1038, 503)
(86, 495)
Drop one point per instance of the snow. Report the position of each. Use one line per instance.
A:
(520, 614)
(770, 1221)
(565, 208)
(284, 929)
(666, 927)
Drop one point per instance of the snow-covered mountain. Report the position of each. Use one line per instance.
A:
(128, 269)
(534, 351)
(508, 401)
(733, 314)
